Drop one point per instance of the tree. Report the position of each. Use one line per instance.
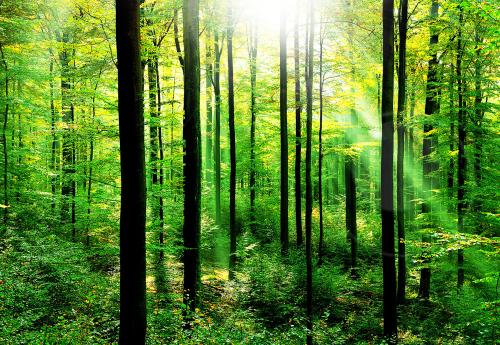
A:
(350, 162)
(4, 137)
(133, 195)
(232, 144)
(218, 53)
(192, 153)
(403, 23)
(283, 135)
(298, 131)
(68, 189)
(428, 147)
(386, 182)
(309, 199)
(320, 148)
(461, 168)
(252, 52)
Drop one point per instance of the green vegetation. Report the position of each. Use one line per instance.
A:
(250, 160)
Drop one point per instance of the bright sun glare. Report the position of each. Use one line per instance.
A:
(266, 12)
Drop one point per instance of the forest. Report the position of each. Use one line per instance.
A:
(249, 172)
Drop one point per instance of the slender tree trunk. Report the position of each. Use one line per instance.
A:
(298, 132)
(162, 156)
(4, 138)
(428, 147)
(451, 164)
(133, 194)
(403, 20)
(91, 162)
(479, 114)
(387, 185)
(232, 144)
(218, 53)
(283, 135)
(252, 49)
(177, 39)
(54, 149)
(309, 198)
(320, 149)
(153, 143)
(210, 110)
(192, 156)
(350, 164)
(462, 164)
(68, 167)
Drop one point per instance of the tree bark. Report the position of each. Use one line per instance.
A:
(462, 164)
(428, 147)
(386, 183)
(192, 154)
(133, 194)
(283, 135)
(403, 23)
(218, 53)
(252, 49)
(232, 144)
(4, 139)
(298, 132)
(320, 149)
(309, 198)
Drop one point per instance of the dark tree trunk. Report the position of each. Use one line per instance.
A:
(153, 141)
(232, 144)
(133, 194)
(252, 49)
(386, 182)
(309, 198)
(90, 164)
(350, 165)
(54, 149)
(298, 133)
(451, 164)
(68, 168)
(283, 136)
(177, 39)
(478, 114)
(320, 149)
(428, 147)
(218, 53)
(403, 22)
(192, 153)
(162, 156)
(462, 164)
(4, 138)
(210, 110)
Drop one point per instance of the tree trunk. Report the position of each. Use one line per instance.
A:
(298, 132)
(209, 96)
(309, 199)
(283, 136)
(386, 182)
(428, 147)
(462, 164)
(133, 194)
(4, 138)
(153, 142)
(253, 83)
(68, 168)
(192, 153)
(403, 20)
(232, 144)
(451, 164)
(162, 156)
(218, 53)
(320, 149)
